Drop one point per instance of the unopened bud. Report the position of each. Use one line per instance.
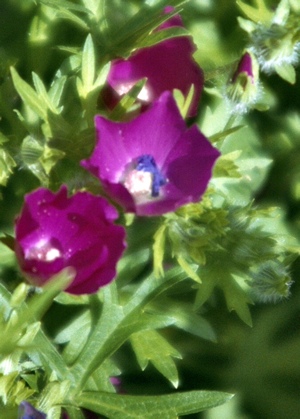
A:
(243, 89)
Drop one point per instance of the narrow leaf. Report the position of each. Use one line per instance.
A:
(160, 36)
(151, 407)
(88, 65)
(159, 249)
(28, 95)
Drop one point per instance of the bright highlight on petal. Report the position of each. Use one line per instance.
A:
(167, 65)
(54, 231)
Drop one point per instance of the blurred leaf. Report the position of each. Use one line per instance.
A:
(127, 101)
(29, 96)
(163, 35)
(189, 269)
(185, 318)
(136, 29)
(42, 93)
(88, 65)
(7, 164)
(287, 72)
(159, 249)
(56, 90)
(183, 102)
(226, 165)
(12, 390)
(260, 14)
(237, 299)
(68, 15)
(63, 5)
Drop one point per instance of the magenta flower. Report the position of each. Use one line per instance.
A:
(54, 231)
(27, 411)
(154, 163)
(168, 65)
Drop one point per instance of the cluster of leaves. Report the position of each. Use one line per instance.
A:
(78, 376)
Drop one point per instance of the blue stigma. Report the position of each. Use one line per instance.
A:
(146, 163)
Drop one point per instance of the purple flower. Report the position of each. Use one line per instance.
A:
(26, 411)
(154, 163)
(168, 65)
(54, 231)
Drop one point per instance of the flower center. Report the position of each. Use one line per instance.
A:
(144, 179)
(43, 251)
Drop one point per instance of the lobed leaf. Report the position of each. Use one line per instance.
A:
(149, 345)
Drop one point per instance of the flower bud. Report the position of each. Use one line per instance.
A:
(271, 282)
(243, 89)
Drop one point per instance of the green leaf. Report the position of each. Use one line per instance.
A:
(76, 335)
(151, 407)
(127, 101)
(184, 102)
(117, 323)
(159, 36)
(149, 345)
(88, 65)
(189, 268)
(7, 164)
(56, 90)
(64, 5)
(260, 14)
(223, 134)
(12, 390)
(237, 299)
(226, 165)
(42, 93)
(68, 15)
(286, 72)
(135, 30)
(44, 353)
(159, 249)
(29, 96)
(185, 318)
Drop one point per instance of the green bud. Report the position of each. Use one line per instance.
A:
(243, 90)
(271, 282)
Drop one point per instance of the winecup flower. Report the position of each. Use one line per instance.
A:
(154, 163)
(167, 65)
(54, 231)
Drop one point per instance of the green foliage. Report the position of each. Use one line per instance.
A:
(151, 346)
(169, 406)
(60, 351)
